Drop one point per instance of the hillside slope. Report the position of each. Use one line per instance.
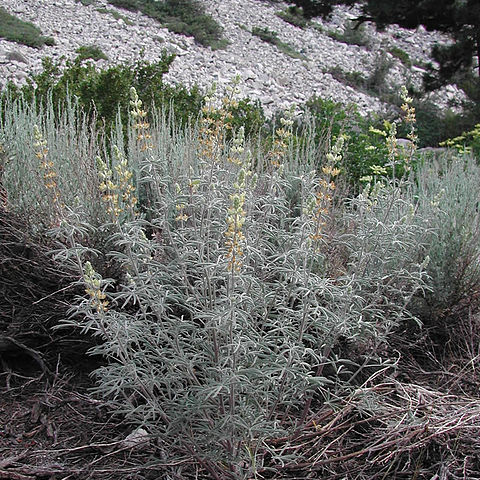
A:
(269, 74)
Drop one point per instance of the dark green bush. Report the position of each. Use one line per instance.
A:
(105, 91)
(186, 17)
(352, 35)
(363, 149)
(115, 14)
(266, 35)
(373, 84)
(353, 79)
(294, 16)
(249, 114)
(93, 52)
(270, 36)
(402, 55)
(435, 125)
(16, 30)
(376, 81)
(470, 84)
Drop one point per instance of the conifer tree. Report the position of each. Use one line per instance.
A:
(458, 18)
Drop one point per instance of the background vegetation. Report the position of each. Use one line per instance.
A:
(16, 30)
(186, 17)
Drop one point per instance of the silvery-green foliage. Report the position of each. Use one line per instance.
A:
(448, 192)
(387, 258)
(213, 360)
(71, 147)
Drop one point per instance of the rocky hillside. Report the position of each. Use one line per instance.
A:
(321, 59)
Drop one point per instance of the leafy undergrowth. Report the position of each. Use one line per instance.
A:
(272, 37)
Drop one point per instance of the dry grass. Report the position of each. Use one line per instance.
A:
(388, 430)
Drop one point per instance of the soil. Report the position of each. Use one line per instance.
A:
(54, 428)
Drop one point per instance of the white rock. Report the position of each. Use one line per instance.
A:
(259, 63)
(137, 438)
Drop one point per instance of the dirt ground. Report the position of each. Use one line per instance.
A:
(52, 428)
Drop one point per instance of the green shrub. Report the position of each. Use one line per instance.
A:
(448, 192)
(270, 36)
(248, 114)
(102, 93)
(468, 142)
(132, 5)
(107, 90)
(115, 15)
(266, 35)
(16, 30)
(454, 124)
(376, 81)
(186, 17)
(90, 52)
(353, 79)
(364, 149)
(294, 16)
(470, 84)
(402, 55)
(438, 125)
(352, 35)
(374, 84)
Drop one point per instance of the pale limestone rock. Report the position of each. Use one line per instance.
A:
(268, 74)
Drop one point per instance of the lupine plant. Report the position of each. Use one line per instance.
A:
(221, 325)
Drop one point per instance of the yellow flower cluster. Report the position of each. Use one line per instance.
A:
(374, 181)
(235, 237)
(215, 122)
(326, 186)
(378, 170)
(93, 283)
(392, 143)
(140, 121)
(411, 120)
(405, 154)
(460, 142)
(238, 147)
(323, 200)
(236, 213)
(47, 167)
(119, 194)
(181, 214)
(281, 139)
